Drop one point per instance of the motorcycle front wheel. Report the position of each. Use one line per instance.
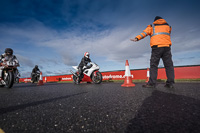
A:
(97, 78)
(9, 79)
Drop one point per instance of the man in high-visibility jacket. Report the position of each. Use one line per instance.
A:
(160, 43)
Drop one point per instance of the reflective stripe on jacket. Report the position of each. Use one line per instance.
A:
(159, 32)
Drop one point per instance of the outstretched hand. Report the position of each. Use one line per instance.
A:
(134, 40)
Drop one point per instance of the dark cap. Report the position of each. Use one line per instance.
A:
(157, 17)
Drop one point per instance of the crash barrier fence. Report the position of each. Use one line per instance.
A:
(183, 72)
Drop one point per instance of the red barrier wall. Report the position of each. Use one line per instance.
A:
(58, 78)
(192, 72)
(184, 72)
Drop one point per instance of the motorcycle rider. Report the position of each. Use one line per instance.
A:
(83, 64)
(34, 72)
(8, 55)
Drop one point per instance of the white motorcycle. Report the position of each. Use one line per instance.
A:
(90, 74)
(9, 71)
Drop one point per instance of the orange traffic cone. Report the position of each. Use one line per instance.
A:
(40, 82)
(148, 75)
(45, 80)
(128, 79)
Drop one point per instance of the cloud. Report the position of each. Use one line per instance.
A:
(113, 44)
(57, 72)
(24, 61)
(49, 72)
(101, 27)
(48, 61)
(25, 74)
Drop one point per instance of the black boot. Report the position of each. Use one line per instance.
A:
(148, 86)
(171, 86)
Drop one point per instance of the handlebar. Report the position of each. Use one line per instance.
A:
(7, 66)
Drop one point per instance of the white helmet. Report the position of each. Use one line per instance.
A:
(87, 54)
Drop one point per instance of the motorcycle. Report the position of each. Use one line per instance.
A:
(90, 74)
(35, 77)
(9, 69)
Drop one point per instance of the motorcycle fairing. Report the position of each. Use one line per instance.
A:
(86, 79)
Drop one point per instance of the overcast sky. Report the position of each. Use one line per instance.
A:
(54, 34)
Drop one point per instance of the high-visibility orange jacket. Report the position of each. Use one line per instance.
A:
(159, 32)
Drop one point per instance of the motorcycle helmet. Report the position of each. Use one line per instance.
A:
(87, 54)
(8, 51)
(36, 66)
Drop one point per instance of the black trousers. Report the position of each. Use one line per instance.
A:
(33, 76)
(80, 71)
(165, 54)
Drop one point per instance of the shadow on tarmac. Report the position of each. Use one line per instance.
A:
(166, 113)
(24, 85)
(23, 106)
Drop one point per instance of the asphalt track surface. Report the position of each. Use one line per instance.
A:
(103, 108)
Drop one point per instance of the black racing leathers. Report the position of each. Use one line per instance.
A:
(35, 70)
(33, 74)
(84, 62)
